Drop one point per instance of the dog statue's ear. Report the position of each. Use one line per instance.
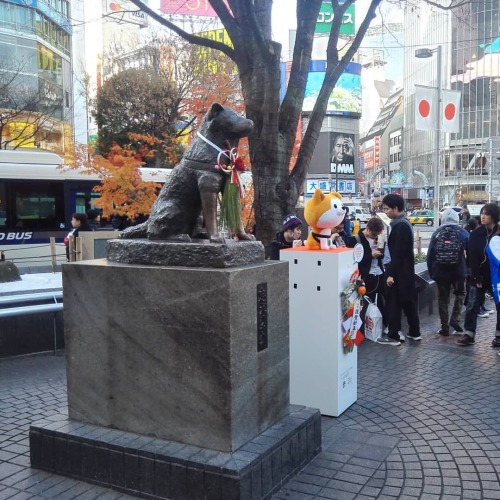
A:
(214, 110)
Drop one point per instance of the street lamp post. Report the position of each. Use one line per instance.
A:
(423, 54)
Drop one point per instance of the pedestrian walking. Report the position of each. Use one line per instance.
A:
(79, 222)
(447, 267)
(465, 215)
(400, 272)
(480, 279)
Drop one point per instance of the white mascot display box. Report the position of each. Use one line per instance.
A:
(324, 313)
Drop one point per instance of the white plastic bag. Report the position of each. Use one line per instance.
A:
(374, 325)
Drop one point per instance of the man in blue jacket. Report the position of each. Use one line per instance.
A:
(449, 275)
(479, 271)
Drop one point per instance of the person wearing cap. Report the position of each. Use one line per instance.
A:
(284, 239)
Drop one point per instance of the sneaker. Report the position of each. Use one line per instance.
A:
(465, 340)
(485, 310)
(496, 342)
(417, 337)
(443, 332)
(402, 338)
(456, 326)
(386, 330)
(483, 314)
(386, 340)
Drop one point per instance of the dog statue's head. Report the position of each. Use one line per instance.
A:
(222, 125)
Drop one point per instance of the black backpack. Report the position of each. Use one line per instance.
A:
(448, 246)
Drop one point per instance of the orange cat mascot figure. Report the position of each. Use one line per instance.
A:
(323, 212)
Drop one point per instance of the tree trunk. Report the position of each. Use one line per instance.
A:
(257, 56)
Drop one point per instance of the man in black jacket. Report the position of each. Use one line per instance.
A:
(480, 278)
(284, 239)
(400, 273)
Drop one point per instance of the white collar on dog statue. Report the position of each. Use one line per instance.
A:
(202, 137)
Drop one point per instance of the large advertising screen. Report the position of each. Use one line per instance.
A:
(342, 149)
(345, 99)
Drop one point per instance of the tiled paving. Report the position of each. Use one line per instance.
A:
(426, 425)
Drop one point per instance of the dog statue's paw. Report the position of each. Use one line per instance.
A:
(246, 237)
(217, 238)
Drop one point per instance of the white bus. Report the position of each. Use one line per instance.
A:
(37, 199)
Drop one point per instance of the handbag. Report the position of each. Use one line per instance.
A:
(374, 324)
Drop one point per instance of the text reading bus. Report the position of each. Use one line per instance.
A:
(37, 199)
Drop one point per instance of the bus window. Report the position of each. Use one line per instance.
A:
(81, 202)
(38, 206)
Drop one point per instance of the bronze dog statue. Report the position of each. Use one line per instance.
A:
(193, 185)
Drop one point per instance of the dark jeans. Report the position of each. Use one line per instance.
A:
(444, 289)
(474, 303)
(395, 307)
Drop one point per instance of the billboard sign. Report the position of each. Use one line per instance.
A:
(345, 99)
(325, 18)
(369, 155)
(126, 11)
(346, 186)
(188, 8)
(342, 154)
(376, 159)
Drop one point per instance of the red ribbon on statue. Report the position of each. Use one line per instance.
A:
(236, 165)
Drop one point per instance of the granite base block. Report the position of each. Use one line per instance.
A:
(154, 468)
(198, 356)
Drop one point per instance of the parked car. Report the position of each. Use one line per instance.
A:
(359, 213)
(422, 217)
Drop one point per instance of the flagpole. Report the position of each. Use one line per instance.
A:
(424, 53)
(437, 139)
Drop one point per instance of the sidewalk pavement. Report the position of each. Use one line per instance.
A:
(426, 425)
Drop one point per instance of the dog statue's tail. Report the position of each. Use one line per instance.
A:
(139, 231)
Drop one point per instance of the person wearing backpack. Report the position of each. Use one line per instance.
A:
(480, 279)
(447, 267)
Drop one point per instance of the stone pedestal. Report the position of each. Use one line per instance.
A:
(178, 378)
(199, 356)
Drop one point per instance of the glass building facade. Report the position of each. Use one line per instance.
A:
(35, 69)
(470, 41)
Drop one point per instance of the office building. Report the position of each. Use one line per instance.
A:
(36, 74)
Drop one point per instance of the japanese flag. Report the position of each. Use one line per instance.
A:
(426, 107)
(451, 107)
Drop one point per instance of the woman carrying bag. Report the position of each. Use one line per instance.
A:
(371, 268)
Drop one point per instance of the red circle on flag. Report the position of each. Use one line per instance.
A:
(424, 108)
(450, 111)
